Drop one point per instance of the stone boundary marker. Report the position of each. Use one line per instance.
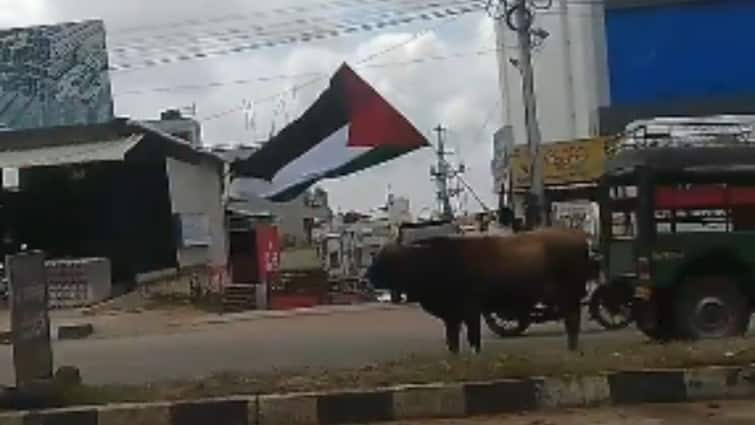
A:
(418, 401)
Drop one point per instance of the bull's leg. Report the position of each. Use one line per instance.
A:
(474, 330)
(453, 329)
(572, 321)
(472, 313)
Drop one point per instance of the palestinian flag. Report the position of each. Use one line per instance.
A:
(349, 128)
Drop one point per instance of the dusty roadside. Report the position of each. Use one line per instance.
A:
(135, 316)
(433, 369)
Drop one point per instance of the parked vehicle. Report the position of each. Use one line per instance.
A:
(609, 306)
(678, 224)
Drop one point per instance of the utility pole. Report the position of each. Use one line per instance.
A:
(519, 18)
(441, 174)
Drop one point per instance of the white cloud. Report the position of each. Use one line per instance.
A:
(16, 13)
(458, 92)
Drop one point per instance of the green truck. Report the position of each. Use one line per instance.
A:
(678, 229)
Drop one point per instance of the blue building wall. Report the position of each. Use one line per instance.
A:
(681, 52)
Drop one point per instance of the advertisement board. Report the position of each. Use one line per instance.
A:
(194, 230)
(54, 75)
(570, 162)
(268, 252)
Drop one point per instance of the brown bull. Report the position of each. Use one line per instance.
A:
(458, 278)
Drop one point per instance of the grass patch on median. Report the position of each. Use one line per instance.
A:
(420, 370)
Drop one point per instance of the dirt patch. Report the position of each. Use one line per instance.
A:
(179, 302)
(419, 370)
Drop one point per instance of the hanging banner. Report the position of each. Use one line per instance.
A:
(268, 252)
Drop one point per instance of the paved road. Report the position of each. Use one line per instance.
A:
(729, 413)
(338, 340)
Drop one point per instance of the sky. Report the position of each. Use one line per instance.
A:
(460, 92)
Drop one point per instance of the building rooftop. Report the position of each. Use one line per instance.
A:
(111, 141)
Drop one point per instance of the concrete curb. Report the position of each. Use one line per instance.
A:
(420, 401)
(248, 316)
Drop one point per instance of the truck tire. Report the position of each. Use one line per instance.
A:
(611, 307)
(707, 307)
(652, 319)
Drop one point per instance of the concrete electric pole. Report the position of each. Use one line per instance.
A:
(519, 18)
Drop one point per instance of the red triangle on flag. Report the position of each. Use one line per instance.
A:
(374, 121)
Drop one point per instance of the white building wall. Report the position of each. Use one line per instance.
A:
(196, 189)
(399, 210)
(570, 72)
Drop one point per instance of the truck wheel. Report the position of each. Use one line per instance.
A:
(710, 307)
(611, 307)
(652, 320)
(504, 326)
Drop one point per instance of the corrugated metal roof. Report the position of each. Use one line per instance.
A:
(113, 131)
(105, 150)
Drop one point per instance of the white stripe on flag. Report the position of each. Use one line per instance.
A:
(325, 156)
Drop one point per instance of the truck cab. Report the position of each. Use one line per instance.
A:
(679, 224)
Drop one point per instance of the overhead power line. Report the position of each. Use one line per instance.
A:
(259, 32)
(266, 79)
(360, 63)
(267, 36)
(257, 29)
(416, 36)
(340, 5)
(296, 14)
(194, 54)
(253, 14)
(215, 84)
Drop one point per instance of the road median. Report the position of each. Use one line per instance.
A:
(439, 400)
(420, 387)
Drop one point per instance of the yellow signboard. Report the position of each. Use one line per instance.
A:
(571, 162)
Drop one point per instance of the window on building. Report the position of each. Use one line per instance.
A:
(335, 259)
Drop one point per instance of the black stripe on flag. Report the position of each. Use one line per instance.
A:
(375, 156)
(327, 115)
